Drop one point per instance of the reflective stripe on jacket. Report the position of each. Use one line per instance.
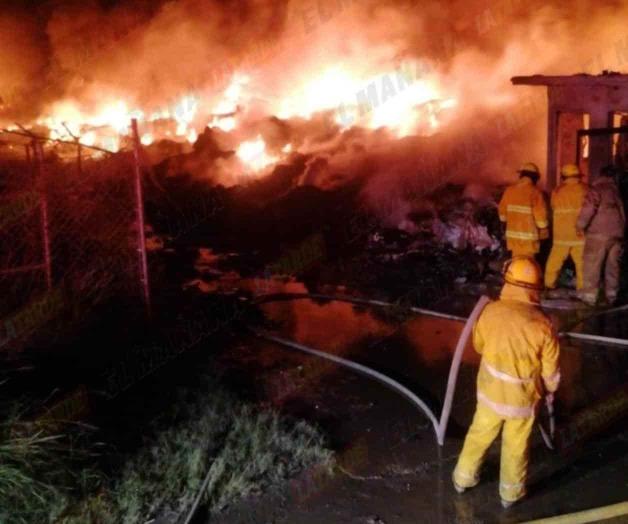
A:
(523, 209)
(519, 351)
(567, 202)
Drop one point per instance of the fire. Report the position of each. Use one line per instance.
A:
(89, 138)
(395, 100)
(184, 113)
(102, 128)
(191, 136)
(227, 124)
(115, 115)
(253, 154)
(233, 96)
(399, 113)
(401, 100)
(320, 93)
(223, 113)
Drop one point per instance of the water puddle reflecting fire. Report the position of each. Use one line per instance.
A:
(415, 349)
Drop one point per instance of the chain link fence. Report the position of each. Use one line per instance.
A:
(71, 234)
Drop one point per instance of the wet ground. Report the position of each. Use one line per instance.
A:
(391, 469)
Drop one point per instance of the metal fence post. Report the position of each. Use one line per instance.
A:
(28, 155)
(79, 158)
(43, 206)
(140, 217)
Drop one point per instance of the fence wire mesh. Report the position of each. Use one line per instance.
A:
(69, 234)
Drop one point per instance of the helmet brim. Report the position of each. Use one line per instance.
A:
(526, 285)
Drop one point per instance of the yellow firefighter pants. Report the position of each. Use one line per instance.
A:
(601, 253)
(514, 456)
(557, 258)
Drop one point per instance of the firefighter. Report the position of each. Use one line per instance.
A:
(566, 201)
(519, 364)
(602, 220)
(523, 210)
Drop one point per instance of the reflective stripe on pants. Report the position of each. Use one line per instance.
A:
(557, 258)
(484, 430)
(522, 235)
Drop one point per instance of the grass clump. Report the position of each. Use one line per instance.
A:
(260, 452)
(206, 432)
(41, 473)
(242, 449)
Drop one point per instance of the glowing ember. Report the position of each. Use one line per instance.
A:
(147, 139)
(253, 154)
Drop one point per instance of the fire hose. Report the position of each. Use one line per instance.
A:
(589, 515)
(440, 426)
(585, 337)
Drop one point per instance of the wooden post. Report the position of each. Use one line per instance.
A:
(568, 126)
(43, 206)
(552, 138)
(139, 198)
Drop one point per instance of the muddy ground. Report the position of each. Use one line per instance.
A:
(390, 468)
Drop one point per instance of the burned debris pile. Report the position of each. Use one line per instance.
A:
(445, 239)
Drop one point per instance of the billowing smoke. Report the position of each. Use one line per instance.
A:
(23, 61)
(401, 94)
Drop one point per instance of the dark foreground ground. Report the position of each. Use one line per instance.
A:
(390, 468)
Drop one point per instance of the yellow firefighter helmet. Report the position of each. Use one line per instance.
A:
(523, 272)
(530, 167)
(570, 170)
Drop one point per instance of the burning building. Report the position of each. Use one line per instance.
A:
(587, 118)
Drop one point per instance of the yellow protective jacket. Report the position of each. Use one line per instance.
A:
(523, 209)
(519, 351)
(567, 200)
